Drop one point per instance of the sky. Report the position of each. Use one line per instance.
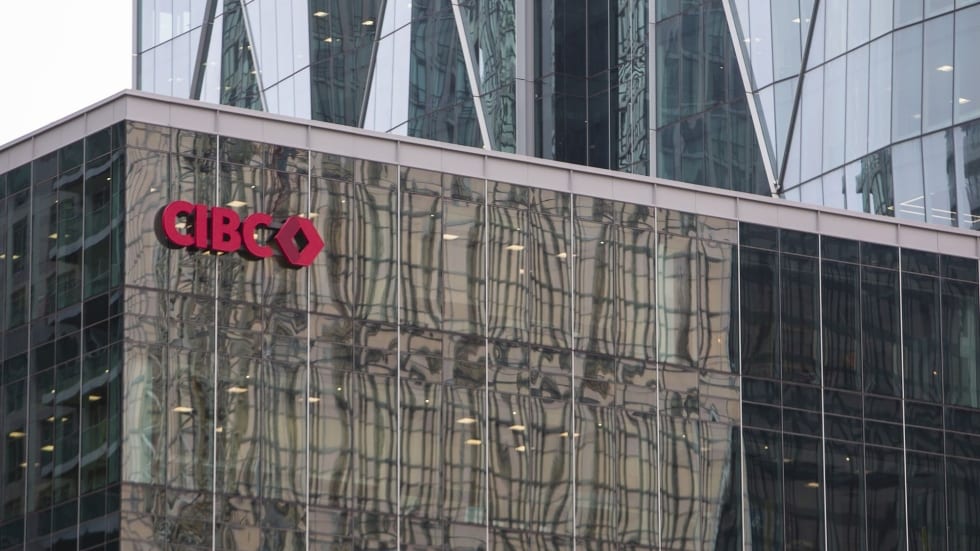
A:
(59, 56)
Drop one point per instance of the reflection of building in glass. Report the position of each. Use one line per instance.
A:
(874, 184)
(482, 356)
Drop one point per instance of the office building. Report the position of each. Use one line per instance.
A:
(865, 105)
(225, 329)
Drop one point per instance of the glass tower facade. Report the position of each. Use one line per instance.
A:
(865, 105)
(61, 345)
(483, 356)
(632, 85)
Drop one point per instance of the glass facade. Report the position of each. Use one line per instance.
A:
(879, 114)
(61, 345)
(865, 106)
(469, 364)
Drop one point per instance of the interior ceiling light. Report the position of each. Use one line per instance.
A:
(328, 39)
(514, 247)
(963, 101)
(47, 448)
(520, 448)
(796, 20)
(94, 397)
(320, 13)
(944, 68)
(517, 428)
(449, 237)
(17, 434)
(466, 420)
(367, 22)
(236, 203)
(237, 390)
(183, 409)
(473, 442)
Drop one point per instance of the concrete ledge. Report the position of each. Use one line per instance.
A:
(478, 163)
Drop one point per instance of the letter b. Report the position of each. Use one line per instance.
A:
(224, 230)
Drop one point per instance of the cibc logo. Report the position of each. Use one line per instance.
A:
(221, 230)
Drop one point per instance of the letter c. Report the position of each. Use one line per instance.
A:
(168, 224)
(252, 223)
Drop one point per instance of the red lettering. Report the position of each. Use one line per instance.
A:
(224, 230)
(249, 227)
(168, 223)
(200, 228)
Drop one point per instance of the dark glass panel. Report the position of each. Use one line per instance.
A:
(962, 445)
(798, 242)
(762, 416)
(924, 440)
(44, 168)
(801, 397)
(438, 107)
(239, 72)
(762, 391)
(834, 248)
(920, 262)
(882, 256)
(883, 434)
(885, 505)
(841, 326)
(963, 501)
(755, 235)
(926, 502)
(880, 331)
(844, 428)
(920, 338)
(844, 403)
(963, 420)
(802, 466)
(960, 343)
(98, 144)
(44, 245)
(760, 312)
(883, 409)
(799, 318)
(924, 415)
(19, 179)
(958, 268)
(845, 497)
(764, 461)
(340, 55)
(801, 422)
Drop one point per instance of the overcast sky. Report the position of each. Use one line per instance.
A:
(58, 56)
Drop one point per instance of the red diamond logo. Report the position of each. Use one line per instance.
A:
(299, 241)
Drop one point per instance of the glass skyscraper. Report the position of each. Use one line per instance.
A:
(426, 346)
(250, 324)
(868, 105)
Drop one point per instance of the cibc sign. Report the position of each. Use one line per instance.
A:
(222, 230)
